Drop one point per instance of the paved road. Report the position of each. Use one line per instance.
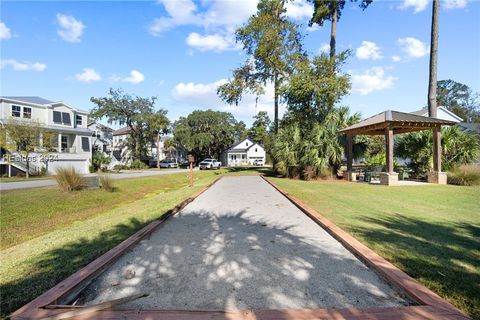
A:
(51, 182)
(241, 245)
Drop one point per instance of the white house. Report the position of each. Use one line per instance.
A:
(442, 113)
(73, 147)
(102, 138)
(121, 153)
(243, 153)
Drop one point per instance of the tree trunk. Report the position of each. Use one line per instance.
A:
(275, 118)
(27, 173)
(333, 30)
(158, 150)
(432, 81)
(432, 86)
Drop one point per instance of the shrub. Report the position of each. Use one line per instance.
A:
(466, 175)
(100, 161)
(69, 179)
(107, 183)
(137, 164)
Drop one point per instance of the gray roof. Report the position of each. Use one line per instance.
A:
(399, 121)
(121, 131)
(31, 99)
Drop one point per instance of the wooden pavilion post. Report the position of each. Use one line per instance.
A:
(437, 149)
(389, 149)
(350, 176)
(389, 178)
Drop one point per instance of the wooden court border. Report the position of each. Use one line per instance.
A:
(431, 307)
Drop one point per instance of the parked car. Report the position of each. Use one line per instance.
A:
(168, 163)
(258, 162)
(209, 164)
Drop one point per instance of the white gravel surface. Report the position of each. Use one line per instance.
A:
(242, 245)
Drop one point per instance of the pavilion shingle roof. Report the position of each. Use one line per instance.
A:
(399, 121)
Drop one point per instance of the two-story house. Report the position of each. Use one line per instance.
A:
(102, 140)
(243, 153)
(69, 124)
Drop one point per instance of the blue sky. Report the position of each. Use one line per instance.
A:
(180, 51)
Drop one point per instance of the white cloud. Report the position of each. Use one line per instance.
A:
(180, 12)
(212, 42)
(373, 79)
(299, 9)
(417, 5)
(396, 58)
(218, 18)
(5, 33)
(455, 4)
(368, 51)
(88, 75)
(313, 28)
(135, 77)
(70, 29)
(324, 48)
(204, 95)
(414, 48)
(22, 66)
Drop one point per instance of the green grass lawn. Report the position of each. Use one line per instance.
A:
(47, 234)
(430, 232)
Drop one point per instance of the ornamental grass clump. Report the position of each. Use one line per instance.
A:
(107, 183)
(69, 179)
(466, 175)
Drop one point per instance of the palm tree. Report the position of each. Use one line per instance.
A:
(459, 147)
(331, 10)
(432, 85)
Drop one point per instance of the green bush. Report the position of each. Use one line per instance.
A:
(466, 175)
(137, 164)
(107, 183)
(99, 161)
(69, 179)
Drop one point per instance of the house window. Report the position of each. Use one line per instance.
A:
(16, 111)
(27, 112)
(255, 149)
(78, 120)
(57, 117)
(85, 144)
(246, 144)
(61, 117)
(244, 156)
(64, 144)
(66, 118)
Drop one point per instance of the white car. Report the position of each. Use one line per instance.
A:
(209, 164)
(168, 163)
(258, 162)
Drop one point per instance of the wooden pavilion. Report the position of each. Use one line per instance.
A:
(389, 123)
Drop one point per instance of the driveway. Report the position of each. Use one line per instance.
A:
(241, 245)
(122, 175)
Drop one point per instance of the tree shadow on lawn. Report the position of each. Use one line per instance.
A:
(445, 258)
(58, 264)
(225, 265)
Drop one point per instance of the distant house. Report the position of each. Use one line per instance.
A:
(73, 140)
(102, 140)
(120, 151)
(445, 114)
(442, 113)
(122, 154)
(243, 153)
